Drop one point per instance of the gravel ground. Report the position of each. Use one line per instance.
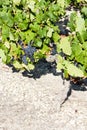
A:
(29, 104)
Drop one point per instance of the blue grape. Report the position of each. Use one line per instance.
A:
(24, 59)
(29, 52)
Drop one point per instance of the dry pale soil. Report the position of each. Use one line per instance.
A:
(37, 104)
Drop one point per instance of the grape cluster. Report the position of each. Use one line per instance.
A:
(24, 59)
(29, 52)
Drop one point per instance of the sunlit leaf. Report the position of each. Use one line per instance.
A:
(17, 65)
(2, 55)
(55, 37)
(80, 24)
(31, 4)
(65, 45)
(16, 2)
(49, 33)
(73, 70)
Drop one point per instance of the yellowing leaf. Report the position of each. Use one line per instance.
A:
(16, 2)
(49, 33)
(2, 55)
(65, 45)
(31, 5)
(7, 44)
(61, 3)
(80, 24)
(17, 65)
(29, 67)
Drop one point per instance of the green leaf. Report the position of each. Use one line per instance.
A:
(32, 17)
(85, 45)
(16, 2)
(45, 49)
(51, 15)
(28, 67)
(35, 27)
(55, 37)
(7, 18)
(31, 4)
(23, 25)
(49, 33)
(72, 24)
(61, 3)
(84, 10)
(40, 17)
(29, 35)
(39, 43)
(5, 32)
(7, 44)
(2, 55)
(11, 36)
(17, 65)
(80, 24)
(80, 58)
(42, 32)
(13, 47)
(65, 45)
(75, 47)
(4, 2)
(60, 63)
(18, 17)
(73, 70)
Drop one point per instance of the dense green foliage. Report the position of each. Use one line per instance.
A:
(29, 22)
(27, 27)
(74, 47)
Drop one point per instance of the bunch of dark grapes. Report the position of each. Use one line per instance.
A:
(24, 59)
(29, 52)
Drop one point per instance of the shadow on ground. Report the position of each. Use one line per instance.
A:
(81, 85)
(42, 67)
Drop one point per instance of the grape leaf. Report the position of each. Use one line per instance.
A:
(65, 45)
(60, 63)
(73, 70)
(80, 24)
(16, 2)
(61, 3)
(5, 32)
(2, 55)
(55, 37)
(39, 43)
(17, 65)
(84, 10)
(49, 33)
(31, 4)
(75, 47)
(23, 25)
